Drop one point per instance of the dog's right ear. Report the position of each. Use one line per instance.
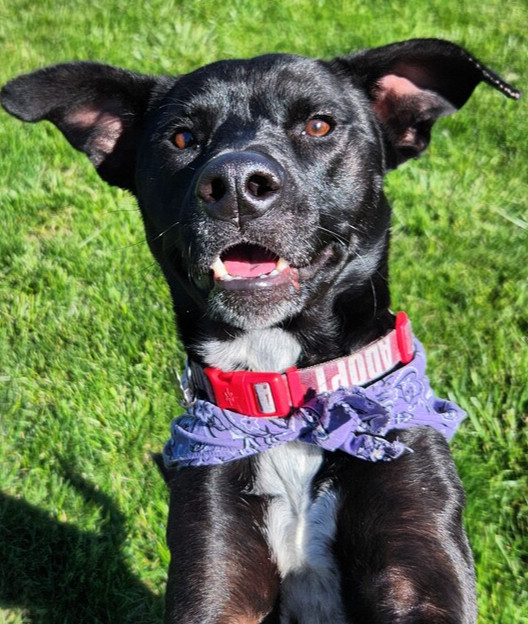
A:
(99, 108)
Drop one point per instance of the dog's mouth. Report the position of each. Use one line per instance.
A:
(248, 266)
(254, 286)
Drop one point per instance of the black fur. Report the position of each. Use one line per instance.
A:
(317, 202)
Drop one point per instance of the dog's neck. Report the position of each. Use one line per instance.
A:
(326, 330)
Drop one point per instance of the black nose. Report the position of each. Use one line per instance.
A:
(239, 186)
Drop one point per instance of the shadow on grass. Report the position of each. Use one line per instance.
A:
(59, 574)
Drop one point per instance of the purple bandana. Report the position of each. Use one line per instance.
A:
(354, 420)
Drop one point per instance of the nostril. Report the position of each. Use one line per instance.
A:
(261, 186)
(239, 186)
(213, 190)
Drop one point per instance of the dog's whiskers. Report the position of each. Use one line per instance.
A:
(374, 298)
(339, 237)
(189, 269)
(335, 235)
(161, 234)
(146, 269)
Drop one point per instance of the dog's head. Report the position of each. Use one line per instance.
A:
(259, 181)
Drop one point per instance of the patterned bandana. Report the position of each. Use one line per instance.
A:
(354, 420)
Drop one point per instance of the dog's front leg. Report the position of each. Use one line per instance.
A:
(401, 544)
(221, 571)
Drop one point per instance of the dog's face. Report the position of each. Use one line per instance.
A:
(260, 181)
(265, 172)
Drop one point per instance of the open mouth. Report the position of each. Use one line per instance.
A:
(247, 266)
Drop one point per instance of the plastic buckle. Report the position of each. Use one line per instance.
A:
(250, 393)
(404, 337)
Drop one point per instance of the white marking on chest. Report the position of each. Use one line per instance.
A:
(300, 529)
(271, 349)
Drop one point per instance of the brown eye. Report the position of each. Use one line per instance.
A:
(184, 139)
(317, 128)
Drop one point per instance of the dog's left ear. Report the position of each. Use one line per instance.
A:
(413, 83)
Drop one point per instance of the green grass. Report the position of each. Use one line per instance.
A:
(87, 340)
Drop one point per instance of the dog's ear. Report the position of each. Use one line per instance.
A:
(99, 108)
(413, 83)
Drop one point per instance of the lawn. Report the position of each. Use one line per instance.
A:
(87, 340)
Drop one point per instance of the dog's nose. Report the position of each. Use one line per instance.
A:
(239, 186)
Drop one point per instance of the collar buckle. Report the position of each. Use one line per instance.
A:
(251, 393)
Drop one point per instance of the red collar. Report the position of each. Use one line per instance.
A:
(277, 394)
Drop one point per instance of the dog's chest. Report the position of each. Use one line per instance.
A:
(300, 525)
(259, 350)
(300, 521)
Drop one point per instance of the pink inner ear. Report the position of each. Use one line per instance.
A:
(389, 89)
(103, 126)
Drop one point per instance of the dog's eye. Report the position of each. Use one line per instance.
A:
(317, 127)
(184, 139)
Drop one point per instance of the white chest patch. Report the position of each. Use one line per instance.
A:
(259, 350)
(300, 529)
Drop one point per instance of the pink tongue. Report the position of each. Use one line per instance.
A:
(249, 262)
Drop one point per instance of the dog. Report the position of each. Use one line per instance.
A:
(302, 492)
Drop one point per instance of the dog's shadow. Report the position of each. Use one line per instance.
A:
(56, 573)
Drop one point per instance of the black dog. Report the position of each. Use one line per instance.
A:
(260, 185)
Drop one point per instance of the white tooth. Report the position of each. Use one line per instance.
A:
(219, 269)
(281, 265)
(274, 273)
(227, 277)
(264, 275)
